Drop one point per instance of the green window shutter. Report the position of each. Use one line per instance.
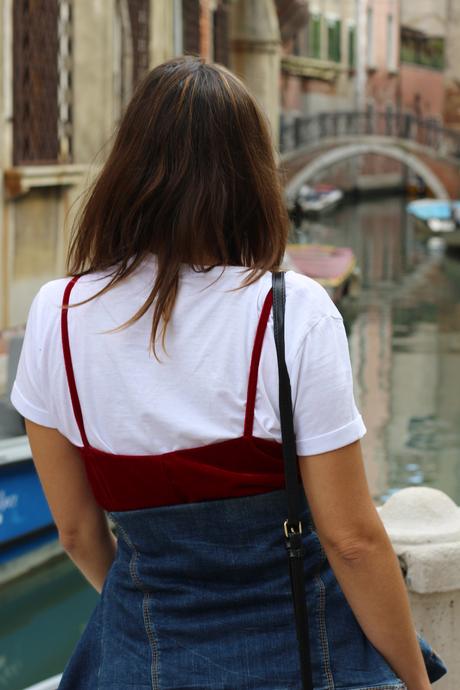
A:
(352, 46)
(333, 40)
(314, 36)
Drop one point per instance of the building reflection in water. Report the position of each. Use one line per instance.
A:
(404, 337)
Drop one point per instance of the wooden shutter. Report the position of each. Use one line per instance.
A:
(314, 36)
(334, 28)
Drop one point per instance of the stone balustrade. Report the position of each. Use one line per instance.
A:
(424, 527)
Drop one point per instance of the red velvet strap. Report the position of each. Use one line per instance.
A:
(253, 371)
(68, 361)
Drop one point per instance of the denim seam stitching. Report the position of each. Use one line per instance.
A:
(145, 610)
(101, 647)
(323, 635)
(384, 687)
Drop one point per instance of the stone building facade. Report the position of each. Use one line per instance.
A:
(430, 59)
(67, 70)
(318, 61)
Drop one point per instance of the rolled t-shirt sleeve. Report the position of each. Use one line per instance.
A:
(325, 413)
(28, 394)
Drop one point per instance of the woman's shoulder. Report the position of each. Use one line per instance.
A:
(308, 304)
(52, 292)
(47, 302)
(308, 300)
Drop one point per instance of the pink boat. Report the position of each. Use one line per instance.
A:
(333, 267)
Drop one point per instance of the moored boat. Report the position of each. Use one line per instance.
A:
(318, 199)
(438, 218)
(27, 532)
(333, 267)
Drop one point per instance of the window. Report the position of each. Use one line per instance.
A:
(191, 26)
(221, 35)
(130, 49)
(370, 37)
(314, 36)
(139, 20)
(390, 43)
(333, 39)
(351, 46)
(300, 46)
(420, 49)
(42, 85)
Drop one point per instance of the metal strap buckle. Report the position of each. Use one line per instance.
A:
(292, 530)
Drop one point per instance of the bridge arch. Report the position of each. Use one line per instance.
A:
(342, 152)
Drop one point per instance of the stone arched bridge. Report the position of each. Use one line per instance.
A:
(308, 145)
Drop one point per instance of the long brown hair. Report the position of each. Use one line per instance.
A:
(191, 178)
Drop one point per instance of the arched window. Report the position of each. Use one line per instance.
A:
(131, 49)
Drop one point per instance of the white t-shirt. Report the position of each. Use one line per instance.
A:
(133, 404)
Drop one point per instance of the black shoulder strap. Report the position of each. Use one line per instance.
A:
(293, 524)
(293, 487)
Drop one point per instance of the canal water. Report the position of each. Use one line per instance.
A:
(404, 337)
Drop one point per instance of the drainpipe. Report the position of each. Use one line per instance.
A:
(424, 527)
(255, 53)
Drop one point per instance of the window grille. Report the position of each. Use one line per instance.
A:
(191, 26)
(42, 81)
(139, 11)
(64, 87)
(35, 81)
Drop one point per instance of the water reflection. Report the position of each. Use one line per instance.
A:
(42, 617)
(404, 335)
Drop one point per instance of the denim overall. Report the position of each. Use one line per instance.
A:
(198, 597)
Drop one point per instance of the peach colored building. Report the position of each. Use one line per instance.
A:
(317, 65)
(430, 59)
(381, 53)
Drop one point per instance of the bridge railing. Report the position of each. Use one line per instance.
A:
(297, 131)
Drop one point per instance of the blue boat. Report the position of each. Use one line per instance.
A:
(27, 532)
(437, 217)
(25, 519)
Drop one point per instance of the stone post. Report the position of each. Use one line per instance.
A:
(255, 53)
(424, 527)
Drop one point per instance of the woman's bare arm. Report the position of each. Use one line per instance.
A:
(362, 557)
(82, 525)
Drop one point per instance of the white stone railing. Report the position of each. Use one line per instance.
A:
(424, 527)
